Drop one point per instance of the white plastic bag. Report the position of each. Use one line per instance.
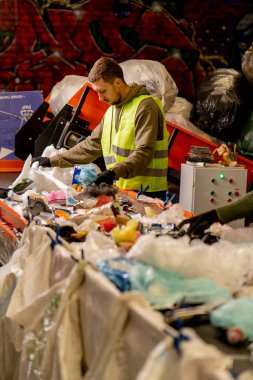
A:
(99, 247)
(155, 76)
(195, 361)
(63, 91)
(181, 107)
(238, 235)
(50, 179)
(195, 260)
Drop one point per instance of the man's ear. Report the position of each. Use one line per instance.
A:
(118, 82)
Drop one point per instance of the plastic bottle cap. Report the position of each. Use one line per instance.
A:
(235, 335)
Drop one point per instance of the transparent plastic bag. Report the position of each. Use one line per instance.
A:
(174, 214)
(197, 259)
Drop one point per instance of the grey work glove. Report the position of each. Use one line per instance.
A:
(199, 223)
(108, 176)
(43, 161)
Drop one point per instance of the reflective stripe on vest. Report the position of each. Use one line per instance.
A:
(117, 146)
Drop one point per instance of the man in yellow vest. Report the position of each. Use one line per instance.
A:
(132, 136)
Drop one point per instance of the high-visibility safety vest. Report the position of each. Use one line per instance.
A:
(117, 146)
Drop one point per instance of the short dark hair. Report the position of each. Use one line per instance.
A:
(107, 69)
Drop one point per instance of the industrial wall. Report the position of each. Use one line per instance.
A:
(41, 41)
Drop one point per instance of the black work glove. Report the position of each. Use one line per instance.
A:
(108, 176)
(4, 192)
(199, 223)
(43, 161)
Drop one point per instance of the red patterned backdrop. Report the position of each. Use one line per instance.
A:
(41, 41)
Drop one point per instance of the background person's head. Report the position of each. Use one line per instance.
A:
(107, 79)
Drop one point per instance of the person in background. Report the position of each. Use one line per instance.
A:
(241, 208)
(132, 136)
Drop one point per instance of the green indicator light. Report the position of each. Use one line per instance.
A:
(213, 180)
(221, 176)
(230, 193)
(212, 193)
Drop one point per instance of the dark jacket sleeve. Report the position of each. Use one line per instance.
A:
(240, 208)
(83, 153)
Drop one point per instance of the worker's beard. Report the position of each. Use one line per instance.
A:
(117, 99)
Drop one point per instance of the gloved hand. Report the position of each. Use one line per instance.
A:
(108, 176)
(4, 192)
(199, 223)
(43, 161)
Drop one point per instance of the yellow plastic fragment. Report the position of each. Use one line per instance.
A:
(126, 233)
(150, 212)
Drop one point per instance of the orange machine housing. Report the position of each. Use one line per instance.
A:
(180, 142)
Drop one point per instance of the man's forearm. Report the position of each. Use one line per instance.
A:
(83, 153)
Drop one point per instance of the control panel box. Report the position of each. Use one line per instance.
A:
(203, 188)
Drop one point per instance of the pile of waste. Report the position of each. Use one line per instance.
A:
(132, 239)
